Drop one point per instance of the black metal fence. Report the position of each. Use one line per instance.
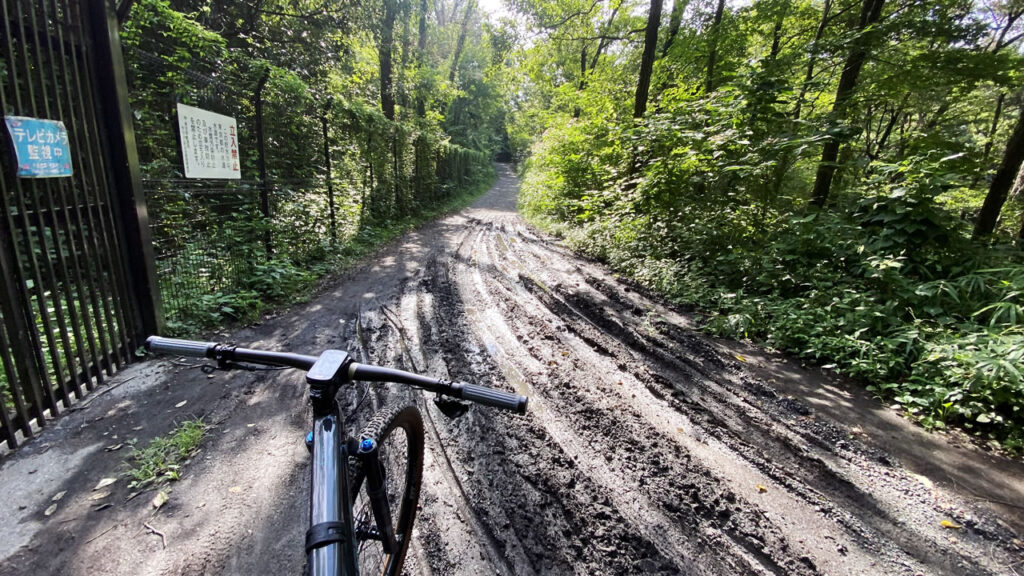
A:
(85, 266)
(69, 308)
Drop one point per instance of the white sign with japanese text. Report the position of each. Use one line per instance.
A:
(209, 144)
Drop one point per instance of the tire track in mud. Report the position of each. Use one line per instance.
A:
(730, 418)
(783, 456)
(646, 443)
(516, 463)
(613, 503)
(643, 451)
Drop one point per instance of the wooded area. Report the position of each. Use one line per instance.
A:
(840, 179)
(355, 121)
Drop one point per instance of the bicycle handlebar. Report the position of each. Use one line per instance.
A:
(356, 371)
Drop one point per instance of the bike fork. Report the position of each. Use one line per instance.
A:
(377, 491)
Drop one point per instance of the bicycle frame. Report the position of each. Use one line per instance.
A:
(330, 501)
(331, 544)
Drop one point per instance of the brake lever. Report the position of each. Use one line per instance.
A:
(227, 366)
(450, 408)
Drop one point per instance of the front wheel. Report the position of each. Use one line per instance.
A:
(398, 433)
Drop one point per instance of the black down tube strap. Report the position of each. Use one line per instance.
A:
(325, 533)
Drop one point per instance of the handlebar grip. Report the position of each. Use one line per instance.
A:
(180, 347)
(496, 398)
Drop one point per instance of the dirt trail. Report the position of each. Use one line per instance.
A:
(649, 448)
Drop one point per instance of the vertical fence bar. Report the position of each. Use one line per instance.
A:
(40, 282)
(76, 222)
(124, 167)
(118, 309)
(24, 382)
(12, 307)
(8, 431)
(68, 275)
(42, 203)
(268, 241)
(327, 164)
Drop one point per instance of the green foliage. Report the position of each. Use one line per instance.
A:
(219, 257)
(161, 460)
(889, 291)
(706, 198)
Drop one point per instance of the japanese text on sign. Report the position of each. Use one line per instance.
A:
(41, 147)
(209, 144)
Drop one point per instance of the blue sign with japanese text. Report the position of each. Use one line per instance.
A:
(40, 146)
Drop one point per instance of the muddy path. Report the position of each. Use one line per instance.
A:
(648, 449)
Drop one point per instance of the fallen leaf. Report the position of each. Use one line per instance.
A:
(565, 352)
(104, 483)
(99, 495)
(114, 447)
(740, 358)
(160, 499)
(180, 404)
(58, 496)
(950, 524)
(50, 510)
(761, 488)
(680, 430)
(235, 489)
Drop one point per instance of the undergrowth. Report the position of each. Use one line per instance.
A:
(161, 460)
(282, 280)
(886, 287)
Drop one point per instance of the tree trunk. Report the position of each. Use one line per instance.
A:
(583, 79)
(604, 41)
(461, 43)
(421, 58)
(812, 59)
(643, 84)
(601, 45)
(1018, 190)
(709, 82)
(387, 41)
(1003, 180)
(675, 19)
(776, 37)
(989, 140)
(124, 8)
(871, 12)
(995, 125)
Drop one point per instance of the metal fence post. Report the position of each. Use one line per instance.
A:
(261, 161)
(125, 174)
(21, 371)
(327, 163)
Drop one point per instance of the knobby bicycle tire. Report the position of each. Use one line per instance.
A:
(398, 432)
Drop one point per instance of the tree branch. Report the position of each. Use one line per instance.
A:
(578, 13)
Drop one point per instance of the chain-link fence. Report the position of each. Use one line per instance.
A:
(327, 168)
